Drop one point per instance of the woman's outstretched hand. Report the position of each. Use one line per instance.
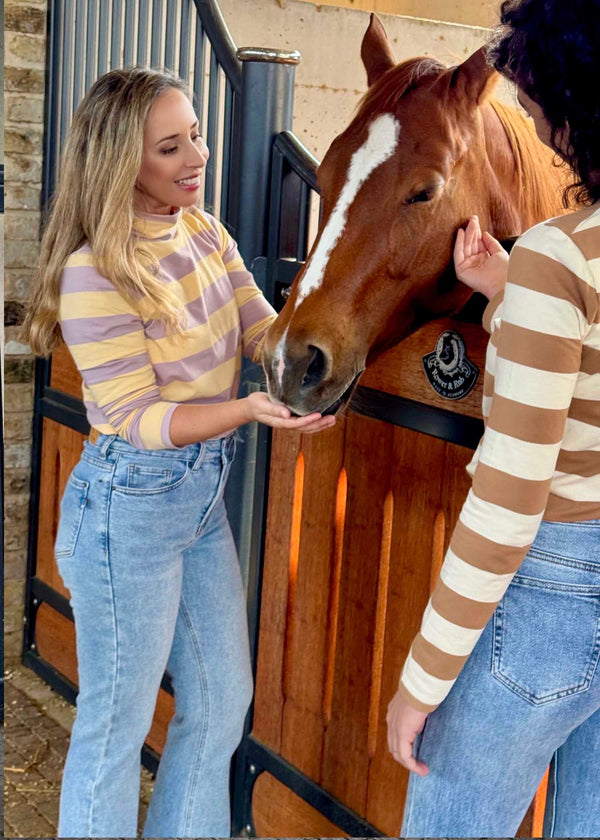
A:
(404, 724)
(278, 416)
(480, 261)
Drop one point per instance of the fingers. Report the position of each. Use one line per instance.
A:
(492, 245)
(473, 239)
(459, 248)
(319, 426)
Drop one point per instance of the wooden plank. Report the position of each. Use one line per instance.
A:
(64, 376)
(415, 485)
(400, 371)
(268, 695)
(368, 461)
(306, 656)
(278, 812)
(61, 448)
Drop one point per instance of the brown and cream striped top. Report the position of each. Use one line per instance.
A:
(539, 457)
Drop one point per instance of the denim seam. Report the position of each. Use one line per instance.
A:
(83, 486)
(556, 559)
(554, 794)
(225, 467)
(591, 590)
(197, 650)
(116, 666)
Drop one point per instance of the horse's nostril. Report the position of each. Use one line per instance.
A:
(315, 369)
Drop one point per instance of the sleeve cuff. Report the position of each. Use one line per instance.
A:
(412, 700)
(490, 311)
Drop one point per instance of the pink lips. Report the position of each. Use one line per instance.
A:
(189, 187)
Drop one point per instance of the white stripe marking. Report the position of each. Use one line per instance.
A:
(377, 148)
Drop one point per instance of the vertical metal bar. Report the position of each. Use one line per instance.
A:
(81, 58)
(227, 138)
(53, 96)
(156, 52)
(185, 34)
(212, 131)
(171, 34)
(142, 39)
(67, 69)
(116, 35)
(199, 73)
(91, 44)
(129, 49)
(104, 36)
(304, 211)
(267, 106)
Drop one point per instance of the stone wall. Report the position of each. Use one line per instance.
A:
(24, 73)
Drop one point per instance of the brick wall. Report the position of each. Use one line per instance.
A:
(24, 72)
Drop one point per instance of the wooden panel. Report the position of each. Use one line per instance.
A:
(471, 12)
(417, 492)
(312, 612)
(400, 370)
(55, 642)
(64, 376)
(61, 448)
(368, 461)
(280, 813)
(268, 697)
(165, 709)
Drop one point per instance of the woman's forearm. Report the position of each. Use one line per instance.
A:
(193, 423)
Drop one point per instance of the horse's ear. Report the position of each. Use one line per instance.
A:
(375, 51)
(475, 79)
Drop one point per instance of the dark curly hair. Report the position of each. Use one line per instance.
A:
(551, 50)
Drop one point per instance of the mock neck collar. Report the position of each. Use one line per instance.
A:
(157, 226)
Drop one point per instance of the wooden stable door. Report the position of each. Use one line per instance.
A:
(359, 518)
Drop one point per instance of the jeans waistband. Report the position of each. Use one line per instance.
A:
(105, 444)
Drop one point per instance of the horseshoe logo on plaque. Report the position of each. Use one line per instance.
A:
(449, 372)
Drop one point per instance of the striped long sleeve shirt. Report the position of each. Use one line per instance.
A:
(539, 457)
(134, 374)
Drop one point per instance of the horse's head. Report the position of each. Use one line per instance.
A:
(396, 184)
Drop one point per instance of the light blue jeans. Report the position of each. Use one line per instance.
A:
(145, 548)
(530, 691)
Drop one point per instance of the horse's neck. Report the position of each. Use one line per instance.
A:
(524, 187)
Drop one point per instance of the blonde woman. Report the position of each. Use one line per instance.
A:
(156, 307)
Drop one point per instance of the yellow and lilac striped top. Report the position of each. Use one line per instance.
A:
(134, 374)
(539, 457)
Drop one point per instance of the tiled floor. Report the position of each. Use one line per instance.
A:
(37, 726)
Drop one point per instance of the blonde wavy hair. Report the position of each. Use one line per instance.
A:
(94, 202)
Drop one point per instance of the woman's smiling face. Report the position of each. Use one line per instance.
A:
(174, 156)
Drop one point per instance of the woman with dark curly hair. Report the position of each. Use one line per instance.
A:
(521, 690)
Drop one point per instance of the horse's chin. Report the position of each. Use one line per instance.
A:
(336, 406)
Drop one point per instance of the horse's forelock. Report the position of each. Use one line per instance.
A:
(387, 91)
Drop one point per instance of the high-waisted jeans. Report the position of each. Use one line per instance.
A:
(145, 549)
(529, 691)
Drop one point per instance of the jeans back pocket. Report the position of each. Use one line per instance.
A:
(72, 508)
(547, 635)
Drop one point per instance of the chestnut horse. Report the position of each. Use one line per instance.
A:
(427, 148)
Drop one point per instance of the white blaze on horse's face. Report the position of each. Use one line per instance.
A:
(278, 358)
(377, 148)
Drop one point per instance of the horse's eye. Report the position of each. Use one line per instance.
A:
(424, 195)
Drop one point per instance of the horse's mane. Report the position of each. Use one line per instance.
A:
(395, 83)
(540, 195)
